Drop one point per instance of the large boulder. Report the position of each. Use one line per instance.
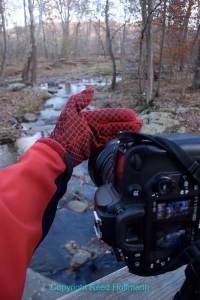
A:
(14, 87)
(30, 117)
(52, 87)
(80, 258)
(24, 143)
(77, 206)
(101, 96)
(52, 83)
(52, 91)
(158, 122)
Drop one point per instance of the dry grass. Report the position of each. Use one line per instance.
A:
(16, 104)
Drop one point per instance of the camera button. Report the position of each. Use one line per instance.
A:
(163, 263)
(135, 190)
(186, 184)
(165, 185)
(136, 255)
(169, 258)
(137, 264)
(151, 266)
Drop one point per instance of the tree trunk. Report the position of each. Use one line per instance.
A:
(198, 27)
(26, 33)
(46, 54)
(65, 39)
(76, 47)
(185, 33)
(149, 43)
(40, 29)
(144, 22)
(88, 36)
(25, 16)
(33, 44)
(196, 78)
(26, 70)
(3, 61)
(109, 45)
(65, 28)
(196, 37)
(161, 48)
(99, 39)
(123, 49)
(29, 74)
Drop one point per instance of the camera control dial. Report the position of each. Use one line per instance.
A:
(165, 185)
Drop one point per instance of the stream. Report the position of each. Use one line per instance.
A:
(56, 257)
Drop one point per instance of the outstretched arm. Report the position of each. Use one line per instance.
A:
(31, 188)
(27, 199)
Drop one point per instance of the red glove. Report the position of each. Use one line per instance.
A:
(80, 133)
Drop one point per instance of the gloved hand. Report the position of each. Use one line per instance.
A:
(80, 133)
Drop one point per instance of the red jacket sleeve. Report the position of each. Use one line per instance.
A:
(26, 189)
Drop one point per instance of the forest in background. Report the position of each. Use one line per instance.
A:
(145, 40)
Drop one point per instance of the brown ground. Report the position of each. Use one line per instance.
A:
(174, 93)
(16, 104)
(69, 69)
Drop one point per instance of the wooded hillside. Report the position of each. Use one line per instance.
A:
(147, 40)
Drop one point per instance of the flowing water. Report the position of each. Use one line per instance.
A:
(52, 258)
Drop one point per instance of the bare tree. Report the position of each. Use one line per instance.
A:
(110, 46)
(123, 48)
(100, 44)
(80, 8)
(196, 78)
(33, 43)
(41, 28)
(148, 7)
(64, 8)
(3, 26)
(162, 46)
(128, 11)
(185, 31)
(143, 6)
(197, 26)
(26, 28)
(147, 18)
(29, 73)
(25, 15)
(149, 41)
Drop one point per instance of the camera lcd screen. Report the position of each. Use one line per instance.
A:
(173, 209)
(175, 238)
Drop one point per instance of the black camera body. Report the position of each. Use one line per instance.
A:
(147, 206)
